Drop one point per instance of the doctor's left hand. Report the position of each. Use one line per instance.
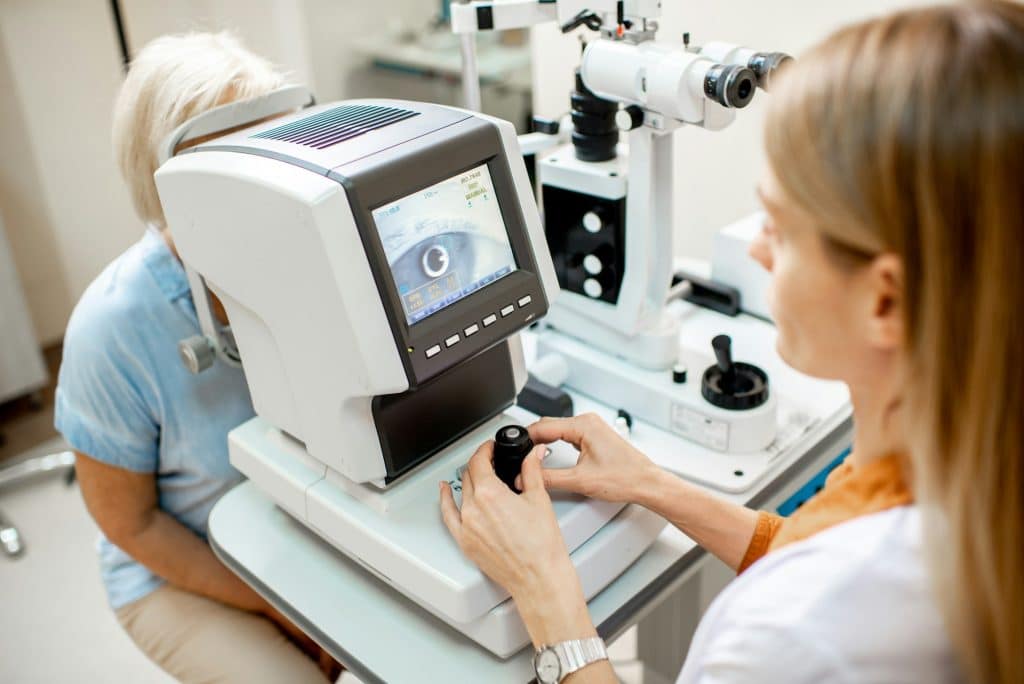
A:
(516, 541)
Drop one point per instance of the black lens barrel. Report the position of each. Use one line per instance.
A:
(765, 65)
(595, 133)
(730, 85)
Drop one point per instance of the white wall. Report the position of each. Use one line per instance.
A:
(716, 172)
(275, 29)
(61, 197)
(63, 203)
(27, 217)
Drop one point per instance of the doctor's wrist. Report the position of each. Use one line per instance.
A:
(556, 618)
(651, 485)
(554, 609)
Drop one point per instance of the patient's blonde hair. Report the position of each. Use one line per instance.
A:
(905, 135)
(172, 79)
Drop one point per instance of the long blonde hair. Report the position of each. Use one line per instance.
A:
(905, 135)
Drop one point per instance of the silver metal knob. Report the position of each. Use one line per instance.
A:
(592, 288)
(592, 222)
(197, 353)
(592, 264)
(629, 118)
(10, 540)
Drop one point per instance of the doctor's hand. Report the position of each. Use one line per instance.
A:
(609, 467)
(516, 541)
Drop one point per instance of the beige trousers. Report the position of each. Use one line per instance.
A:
(198, 640)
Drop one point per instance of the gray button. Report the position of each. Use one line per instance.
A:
(489, 320)
(523, 301)
(472, 330)
(505, 311)
(452, 341)
(433, 351)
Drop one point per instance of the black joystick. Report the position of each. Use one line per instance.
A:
(733, 385)
(512, 444)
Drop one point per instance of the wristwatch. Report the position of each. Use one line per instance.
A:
(554, 663)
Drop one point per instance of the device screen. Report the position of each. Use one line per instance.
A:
(444, 242)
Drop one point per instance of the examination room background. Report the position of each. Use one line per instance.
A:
(66, 213)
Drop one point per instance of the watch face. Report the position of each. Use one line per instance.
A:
(547, 666)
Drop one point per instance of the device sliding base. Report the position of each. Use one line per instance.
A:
(398, 535)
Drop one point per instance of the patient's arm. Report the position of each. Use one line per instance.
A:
(124, 505)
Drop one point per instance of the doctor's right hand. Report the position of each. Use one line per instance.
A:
(609, 467)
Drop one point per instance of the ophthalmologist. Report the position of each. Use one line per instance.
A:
(895, 213)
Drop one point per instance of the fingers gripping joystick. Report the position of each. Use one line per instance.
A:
(512, 444)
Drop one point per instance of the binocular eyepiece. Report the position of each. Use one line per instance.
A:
(765, 65)
(730, 85)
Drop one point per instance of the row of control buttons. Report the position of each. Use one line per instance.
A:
(488, 320)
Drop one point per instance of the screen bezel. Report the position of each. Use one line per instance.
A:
(396, 173)
(504, 227)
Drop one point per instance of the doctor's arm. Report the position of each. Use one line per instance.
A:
(611, 469)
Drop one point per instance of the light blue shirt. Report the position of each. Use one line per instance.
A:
(124, 398)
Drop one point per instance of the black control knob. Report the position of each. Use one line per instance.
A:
(730, 384)
(545, 126)
(512, 444)
(679, 373)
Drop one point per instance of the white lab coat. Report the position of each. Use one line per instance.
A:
(849, 604)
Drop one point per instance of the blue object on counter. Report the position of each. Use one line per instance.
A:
(812, 487)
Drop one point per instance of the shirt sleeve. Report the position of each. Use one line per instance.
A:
(767, 527)
(104, 403)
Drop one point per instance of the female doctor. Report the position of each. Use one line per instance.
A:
(895, 155)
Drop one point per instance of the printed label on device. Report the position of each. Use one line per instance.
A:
(695, 426)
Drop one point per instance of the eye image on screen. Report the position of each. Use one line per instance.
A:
(444, 242)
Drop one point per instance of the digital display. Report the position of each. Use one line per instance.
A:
(445, 242)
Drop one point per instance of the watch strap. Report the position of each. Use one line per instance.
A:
(578, 653)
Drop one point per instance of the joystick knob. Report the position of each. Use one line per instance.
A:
(512, 444)
(733, 385)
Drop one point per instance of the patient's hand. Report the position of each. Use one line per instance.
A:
(609, 467)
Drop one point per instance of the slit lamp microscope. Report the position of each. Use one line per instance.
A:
(608, 210)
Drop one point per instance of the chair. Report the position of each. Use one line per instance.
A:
(62, 461)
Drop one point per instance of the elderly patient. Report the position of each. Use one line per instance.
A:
(150, 438)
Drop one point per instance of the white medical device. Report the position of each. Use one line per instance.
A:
(376, 260)
(608, 212)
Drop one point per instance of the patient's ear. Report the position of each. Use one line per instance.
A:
(884, 300)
